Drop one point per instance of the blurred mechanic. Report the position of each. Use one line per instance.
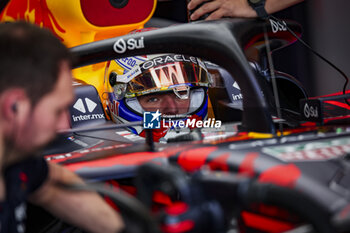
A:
(217, 9)
(35, 91)
(176, 85)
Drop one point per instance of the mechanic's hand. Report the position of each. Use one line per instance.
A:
(221, 8)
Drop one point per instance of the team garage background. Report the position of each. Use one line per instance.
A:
(326, 29)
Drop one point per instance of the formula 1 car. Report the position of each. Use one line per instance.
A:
(275, 165)
(257, 173)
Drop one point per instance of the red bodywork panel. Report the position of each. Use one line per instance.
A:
(102, 14)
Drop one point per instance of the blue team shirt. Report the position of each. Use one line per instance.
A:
(21, 180)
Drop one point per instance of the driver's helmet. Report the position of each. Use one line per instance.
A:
(139, 84)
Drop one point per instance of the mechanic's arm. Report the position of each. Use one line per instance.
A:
(235, 8)
(86, 210)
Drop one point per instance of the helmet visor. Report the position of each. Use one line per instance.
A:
(161, 76)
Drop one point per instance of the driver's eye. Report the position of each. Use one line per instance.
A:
(152, 100)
